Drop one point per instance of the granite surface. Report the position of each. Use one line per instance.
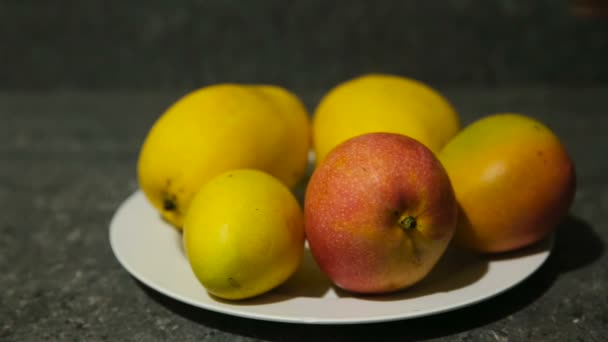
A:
(67, 161)
(185, 43)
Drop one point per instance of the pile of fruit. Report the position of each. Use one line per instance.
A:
(395, 181)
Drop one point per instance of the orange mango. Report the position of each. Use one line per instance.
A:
(513, 179)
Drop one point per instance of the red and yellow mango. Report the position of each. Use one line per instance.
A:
(513, 180)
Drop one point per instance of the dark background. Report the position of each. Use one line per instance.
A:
(81, 83)
(299, 44)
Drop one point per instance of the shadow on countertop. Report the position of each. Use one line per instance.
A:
(567, 255)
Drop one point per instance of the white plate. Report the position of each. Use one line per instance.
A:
(151, 251)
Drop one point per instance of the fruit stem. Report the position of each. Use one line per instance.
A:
(169, 204)
(407, 222)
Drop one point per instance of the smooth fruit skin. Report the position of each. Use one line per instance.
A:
(355, 201)
(243, 234)
(513, 180)
(218, 128)
(293, 160)
(383, 103)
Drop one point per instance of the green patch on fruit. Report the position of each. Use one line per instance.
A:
(407, 222)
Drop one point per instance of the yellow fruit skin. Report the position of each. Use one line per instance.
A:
(383, 103)
(243, 234)
(214, 129)
(293, 160)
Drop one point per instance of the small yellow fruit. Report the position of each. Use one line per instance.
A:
(383, 103)
(243, 234)
(218, 128)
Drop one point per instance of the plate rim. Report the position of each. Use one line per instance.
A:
(124, 205)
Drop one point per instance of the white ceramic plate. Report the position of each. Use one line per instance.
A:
(151, 251)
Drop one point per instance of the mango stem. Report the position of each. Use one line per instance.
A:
(407, 222)
(169, 204)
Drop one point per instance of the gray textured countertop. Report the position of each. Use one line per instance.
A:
(68, 161)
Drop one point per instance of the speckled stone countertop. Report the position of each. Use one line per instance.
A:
(67, 161)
